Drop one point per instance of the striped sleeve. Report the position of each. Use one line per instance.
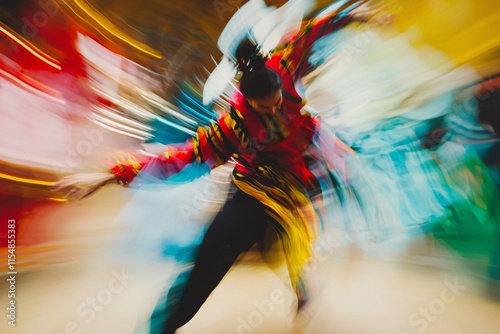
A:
(212, 145)
(217, 143)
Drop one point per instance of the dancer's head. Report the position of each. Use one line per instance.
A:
(259, 84)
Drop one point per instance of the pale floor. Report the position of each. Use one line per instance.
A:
(386, 290)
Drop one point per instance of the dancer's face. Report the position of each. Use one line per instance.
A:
(267, 105)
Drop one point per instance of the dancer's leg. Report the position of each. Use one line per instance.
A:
(241, 223)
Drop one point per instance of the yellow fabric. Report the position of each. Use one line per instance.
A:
(288, 203)
(466, 31)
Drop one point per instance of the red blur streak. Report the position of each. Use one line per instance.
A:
(18, 209)
(59, 34)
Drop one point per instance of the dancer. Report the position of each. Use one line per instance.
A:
(267, 134)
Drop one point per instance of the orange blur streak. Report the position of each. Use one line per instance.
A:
(112, 29)
(40, 84)
(26, 180)
(24, 84)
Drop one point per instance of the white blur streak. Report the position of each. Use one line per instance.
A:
(130, 129)
(162, 105)
(101, 58)
(131, 88)
(123, 103)
(267, 26)
(221, 77)
(113, 70)
(237, 29)
(240, 26)
(281, 22)
(32, 132)
(331, 9)
(112, 114)
(114, 128)
(384, 78)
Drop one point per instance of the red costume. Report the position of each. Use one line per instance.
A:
(268, 149)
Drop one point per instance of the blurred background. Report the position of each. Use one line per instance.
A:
(83, 80)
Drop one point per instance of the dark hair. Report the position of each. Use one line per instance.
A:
(257, 80)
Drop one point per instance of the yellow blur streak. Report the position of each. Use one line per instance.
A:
(110, 27)
(465, 30)
(58, 199)
(25, 180)
(488, 41)
(37, 53)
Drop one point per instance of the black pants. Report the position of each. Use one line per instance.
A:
(240, 224)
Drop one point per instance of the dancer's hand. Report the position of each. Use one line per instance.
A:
(81, 185)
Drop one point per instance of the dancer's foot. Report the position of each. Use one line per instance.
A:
(303, 294)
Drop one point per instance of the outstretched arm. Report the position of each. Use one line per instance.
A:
(213, 145)
(172, 160)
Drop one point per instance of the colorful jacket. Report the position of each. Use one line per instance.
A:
(268, 149)
(244, 135)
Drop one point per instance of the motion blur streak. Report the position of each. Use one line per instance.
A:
(37, 53)
(112, 29)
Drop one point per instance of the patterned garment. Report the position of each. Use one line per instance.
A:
(269, 150)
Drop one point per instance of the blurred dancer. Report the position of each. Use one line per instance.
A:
(267, 134)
